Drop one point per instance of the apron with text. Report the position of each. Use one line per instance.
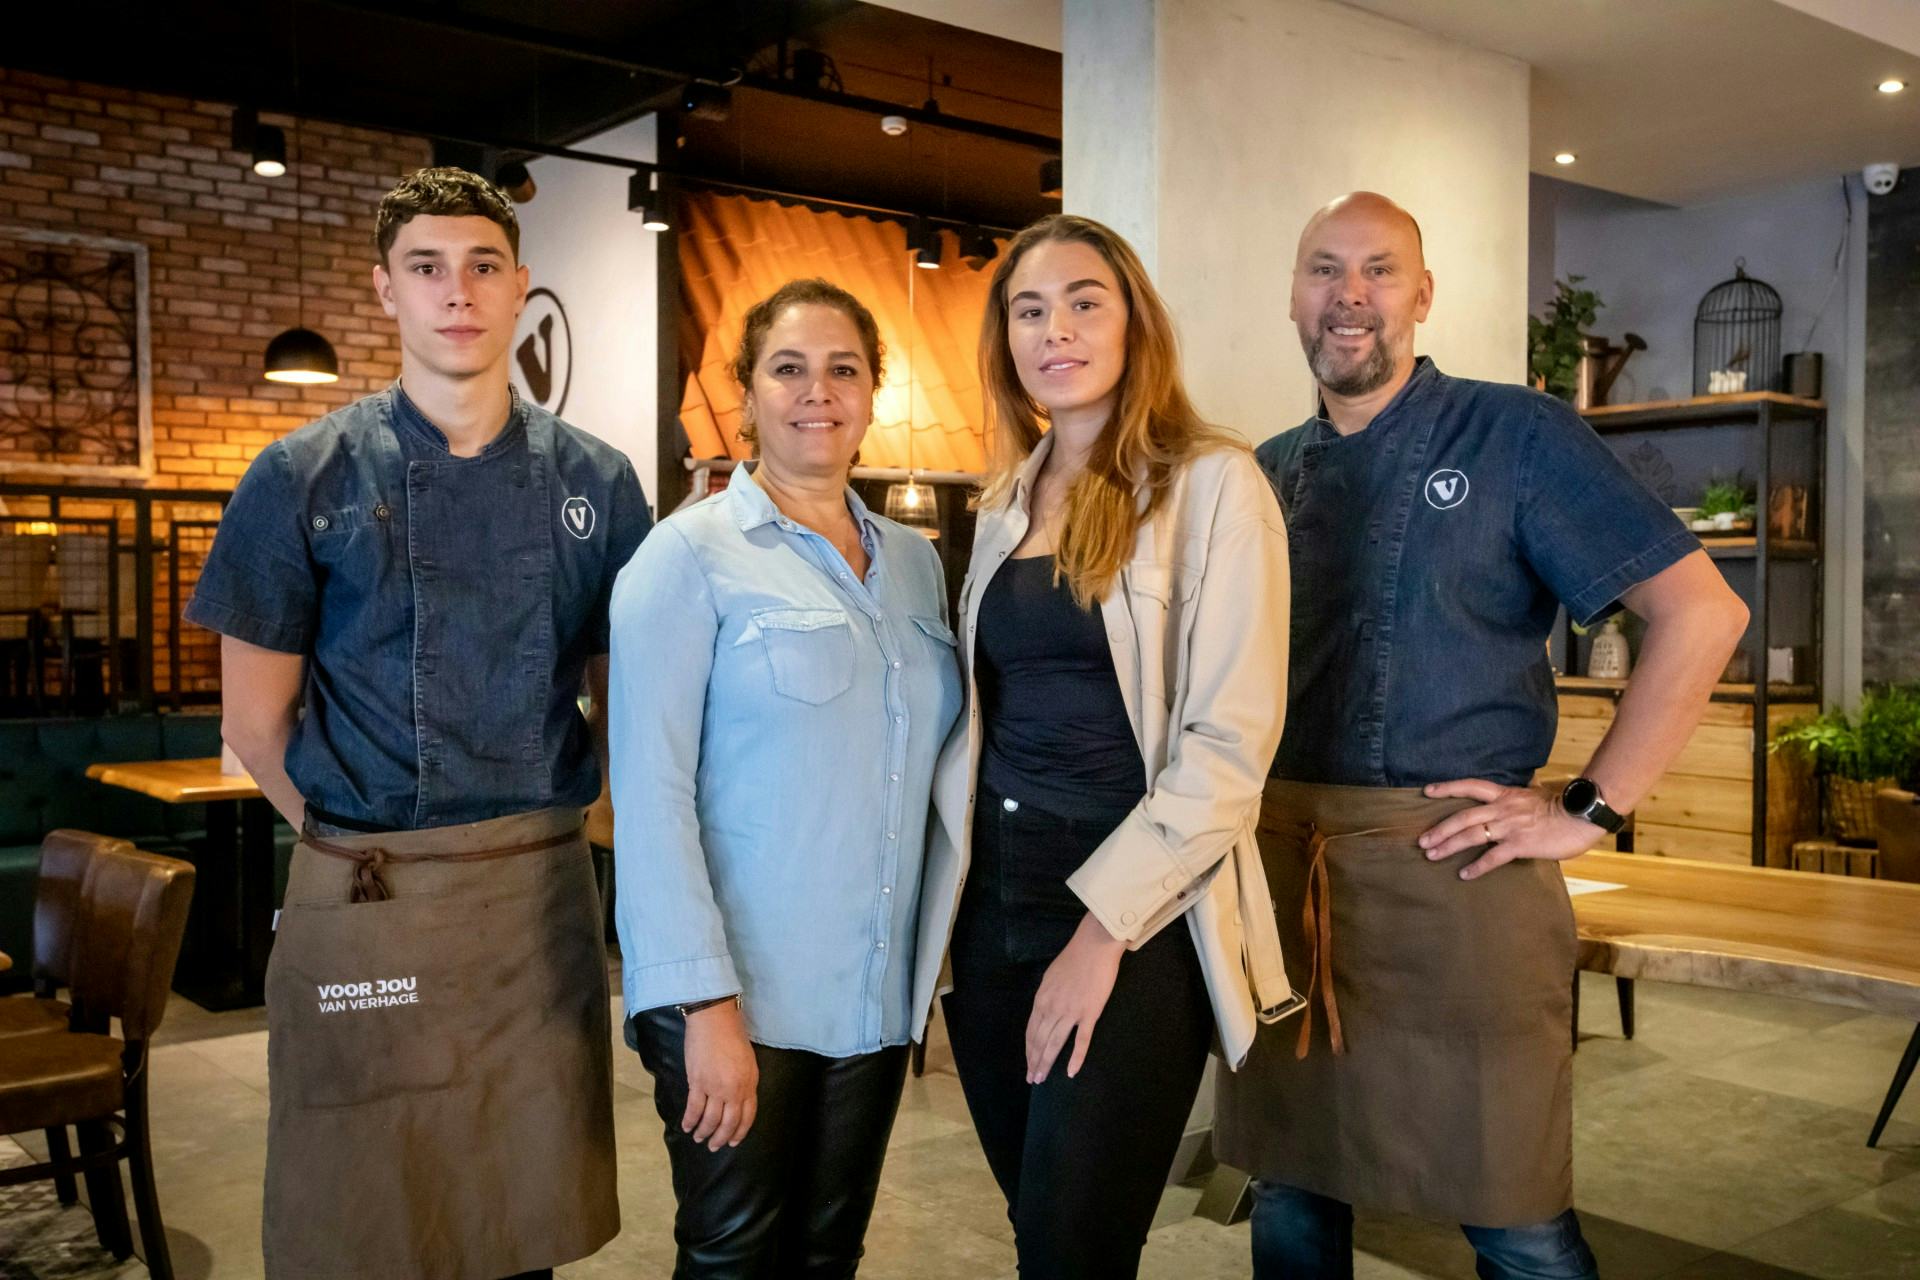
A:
(439, 1048)
(1433, 1073)
(440, 1061)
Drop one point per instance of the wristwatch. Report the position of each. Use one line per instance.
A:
(1582, 799)
(695, 1006)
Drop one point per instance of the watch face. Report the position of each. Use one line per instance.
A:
(1579, 796)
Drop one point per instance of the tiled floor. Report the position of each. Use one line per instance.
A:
(1726, 1141)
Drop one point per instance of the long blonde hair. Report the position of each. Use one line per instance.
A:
(1154, 429)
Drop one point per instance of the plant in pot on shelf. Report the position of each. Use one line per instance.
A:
(1555, 342)
(1726, 506)
(1857, 756)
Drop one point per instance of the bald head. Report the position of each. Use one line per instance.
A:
(1360, 285)
(1369, 210)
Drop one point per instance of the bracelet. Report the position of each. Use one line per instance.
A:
(695, 1006)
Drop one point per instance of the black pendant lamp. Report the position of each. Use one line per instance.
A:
(300, 355)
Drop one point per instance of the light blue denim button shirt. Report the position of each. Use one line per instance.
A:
(774, 727)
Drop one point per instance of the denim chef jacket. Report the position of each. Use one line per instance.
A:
(774, 727)
(447, 606)
(1430, 554)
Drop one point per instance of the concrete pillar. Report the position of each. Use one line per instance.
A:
(1207, 131)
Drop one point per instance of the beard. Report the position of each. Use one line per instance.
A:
(1342, 374)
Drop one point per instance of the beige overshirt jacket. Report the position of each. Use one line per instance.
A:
(1198, 627)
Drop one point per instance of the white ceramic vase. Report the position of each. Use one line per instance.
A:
(1609, 658)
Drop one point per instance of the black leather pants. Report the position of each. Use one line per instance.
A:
(793, 1199)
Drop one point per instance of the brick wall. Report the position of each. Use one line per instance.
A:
(223, 245)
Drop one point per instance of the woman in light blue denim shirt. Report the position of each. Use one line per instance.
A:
(783, 677)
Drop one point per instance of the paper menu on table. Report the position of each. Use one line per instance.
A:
(1577, 886)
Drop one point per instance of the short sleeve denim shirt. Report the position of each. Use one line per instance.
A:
(446, 606)
(1430, 554)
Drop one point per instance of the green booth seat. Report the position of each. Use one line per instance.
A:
(44, 786)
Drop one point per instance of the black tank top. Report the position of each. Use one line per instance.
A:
(1057, 734)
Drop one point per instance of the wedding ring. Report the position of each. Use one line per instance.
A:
(1489, 832)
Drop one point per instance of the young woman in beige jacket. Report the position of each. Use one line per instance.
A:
(1093, 857)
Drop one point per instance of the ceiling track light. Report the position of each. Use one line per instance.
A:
(516, 180)
(270, 151)
(923, 243)
(1052, 178)
(646, 200)
(264, 145)
(978, 248)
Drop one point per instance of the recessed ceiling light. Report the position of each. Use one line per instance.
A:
(1892, 86)
(1564, 157)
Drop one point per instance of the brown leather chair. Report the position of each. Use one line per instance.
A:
(64, 857)
(1896, 820)
(132, 917)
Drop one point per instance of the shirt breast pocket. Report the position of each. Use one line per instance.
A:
(810, 651)
(354, 540)
(1162, 581)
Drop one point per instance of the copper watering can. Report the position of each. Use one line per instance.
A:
(1599, 367)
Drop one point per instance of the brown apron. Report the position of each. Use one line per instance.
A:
(1451, 1093)
(440, 1056)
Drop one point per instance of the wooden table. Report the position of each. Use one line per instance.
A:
(1839, 940)
(230, 924)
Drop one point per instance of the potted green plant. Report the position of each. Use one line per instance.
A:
(1556, 341)
(1726, 504)
(1856, 756)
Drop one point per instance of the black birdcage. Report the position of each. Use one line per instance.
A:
(1736, 336)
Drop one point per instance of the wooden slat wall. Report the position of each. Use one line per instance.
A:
(735, 250)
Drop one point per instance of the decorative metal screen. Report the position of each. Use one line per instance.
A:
(75, 394)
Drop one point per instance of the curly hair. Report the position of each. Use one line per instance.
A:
(817, 292)
(443, 193)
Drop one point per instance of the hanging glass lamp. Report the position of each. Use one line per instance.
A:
(915, 505)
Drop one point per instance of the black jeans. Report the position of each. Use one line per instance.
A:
(1082, 1161)
(793, 1199)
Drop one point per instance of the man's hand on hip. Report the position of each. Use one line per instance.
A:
(1517, 822)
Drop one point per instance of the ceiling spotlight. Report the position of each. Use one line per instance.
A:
(1891, 86)
(923, 242)
(706, 102)
(1564, 157)
(269, 151)
(813, 69)
(644, 200)
(893, 126)
(978, 248)
(517, 181)
(264, 145)
(1052, 178)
